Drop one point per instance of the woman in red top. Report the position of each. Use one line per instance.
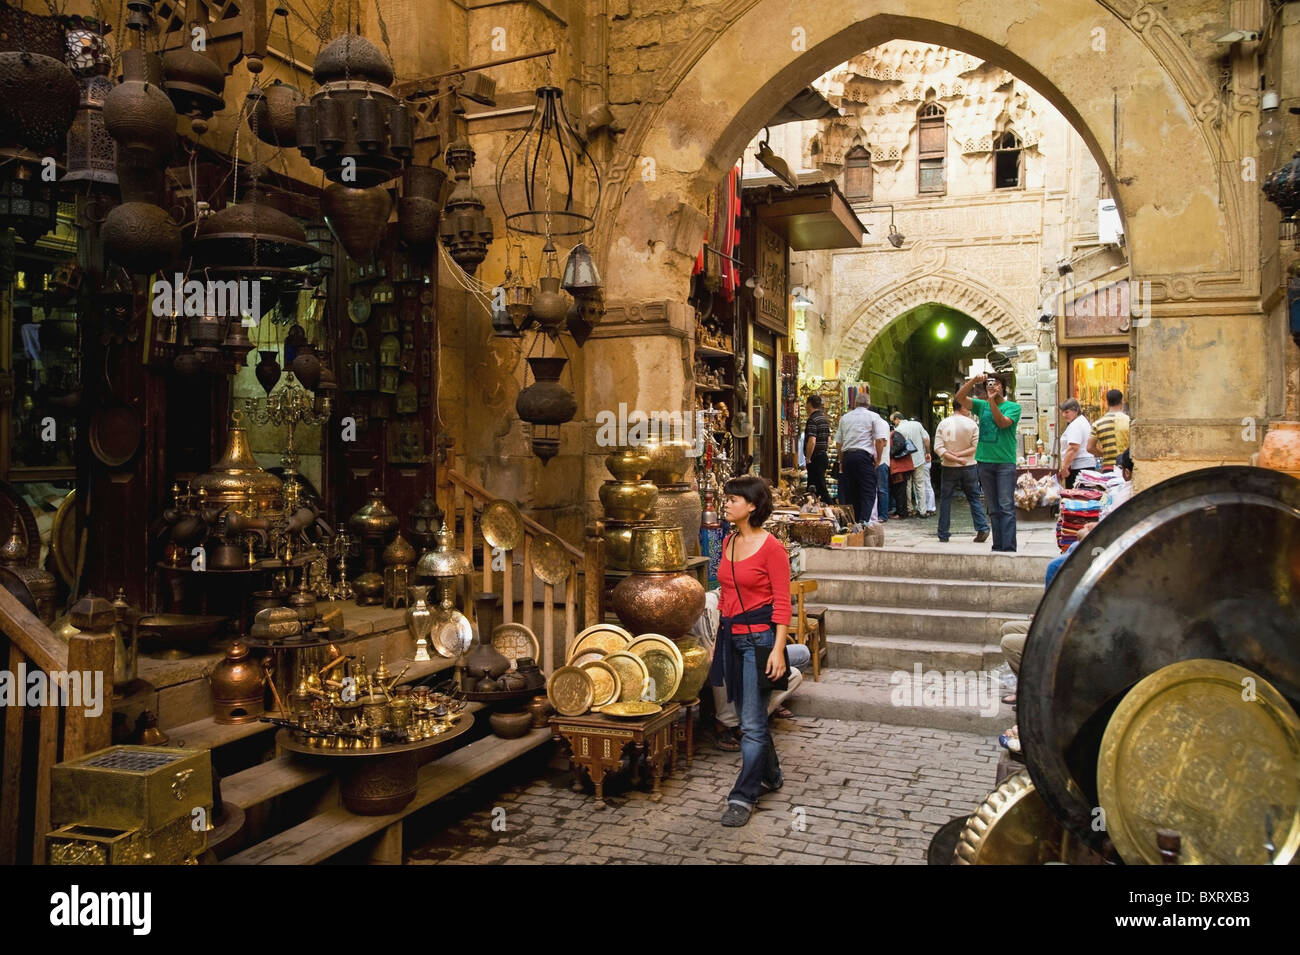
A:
(754, 574)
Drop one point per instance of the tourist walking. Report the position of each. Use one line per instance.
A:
(1074, 443)
(860, 439)
(817, 448)
(1110, 432)
(900, 468)
(918, 482)
(995, 455)
(749, 654)
(955, 442)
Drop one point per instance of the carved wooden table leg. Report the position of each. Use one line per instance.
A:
(576, 767)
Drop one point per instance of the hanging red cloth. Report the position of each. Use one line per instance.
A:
(723, 234)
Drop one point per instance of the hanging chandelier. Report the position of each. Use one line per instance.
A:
(547, 162)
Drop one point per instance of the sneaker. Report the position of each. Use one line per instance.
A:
(735, 816)
(943, 540)
(981, 537)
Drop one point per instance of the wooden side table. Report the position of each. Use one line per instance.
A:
(596, 744)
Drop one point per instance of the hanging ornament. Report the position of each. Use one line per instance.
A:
(357, 216)
(465, 229)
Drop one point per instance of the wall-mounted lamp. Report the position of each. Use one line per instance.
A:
(775, 164)
(895, 237)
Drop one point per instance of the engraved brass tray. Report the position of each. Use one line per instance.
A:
(604, 636)
(1205, 565)
(514, 640)
(606, 686)
(633, 676)
(632, 710)
(502, 525)
(589, 656)
(550, 560)
(1212, 751)
(664, 661)
(570, 691)
(1012, 827)
(451, 636)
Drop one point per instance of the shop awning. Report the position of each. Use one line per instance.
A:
(806, 104)
(814, 216)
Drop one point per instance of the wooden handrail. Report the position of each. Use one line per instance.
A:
(484, 495)
(30, 635)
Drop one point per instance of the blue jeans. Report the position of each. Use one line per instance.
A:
(968, 480)
(759, 765)
(882, 492)
(999, 484)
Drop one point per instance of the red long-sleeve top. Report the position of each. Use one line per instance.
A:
(763, 577)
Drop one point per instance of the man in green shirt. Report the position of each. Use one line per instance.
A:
(995, 455)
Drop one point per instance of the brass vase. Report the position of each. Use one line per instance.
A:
(618, 542)
(696, 661)
(656, 548)
(669, 462)
(628, 501)
(628, 465)
(679, 506)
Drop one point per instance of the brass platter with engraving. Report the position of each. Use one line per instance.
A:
(1013, 826)
(1210, 750)
(604, 636)
(502, 525)
(570, 691)
(606, 687)
(452, 634)
(632, 710)
(550, 560)
(587, 656)
(514, 640)
(663, 660)
(632, 674)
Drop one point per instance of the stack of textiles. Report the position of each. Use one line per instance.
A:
(1078, 507)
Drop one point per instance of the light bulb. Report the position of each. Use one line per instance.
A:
(1269, 137)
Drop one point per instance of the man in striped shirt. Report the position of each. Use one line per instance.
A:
(1110, 432)
(817, 446)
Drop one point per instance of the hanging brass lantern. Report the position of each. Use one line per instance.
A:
(92, 153)
(465, 229)
(38, 92)
(546, 404)
(420, 204)
(28, 203)
(194, 84)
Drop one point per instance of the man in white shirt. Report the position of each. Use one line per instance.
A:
(954, 441)
(1074, 443)
(918, 481)
(861, 437)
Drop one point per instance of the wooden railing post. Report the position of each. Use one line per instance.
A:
(90, 654)
(593, 575)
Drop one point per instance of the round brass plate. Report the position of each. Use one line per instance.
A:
(1012, 827)
(601, 636)
(502, 525)
(570, 691)
(550, 560)
(590, 656)
(359, 309)
(606, 687)
(452, 636)
(1210, 750)
(633, 710)
(632, 675)
(63, 538)
(663, 660)
(514, 640)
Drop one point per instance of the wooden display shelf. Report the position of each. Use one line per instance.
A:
(708, 351)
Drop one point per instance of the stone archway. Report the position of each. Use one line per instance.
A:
(1192, 224)
(883, 306)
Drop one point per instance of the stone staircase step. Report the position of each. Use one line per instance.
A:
(900, 653)
(887, 591)
(918, 623)
(903, 562)
(872, 697)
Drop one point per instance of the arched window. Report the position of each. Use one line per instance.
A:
(857, 174)
(1008, 161)
(932, 142)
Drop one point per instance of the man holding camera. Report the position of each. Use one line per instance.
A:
(995, 455)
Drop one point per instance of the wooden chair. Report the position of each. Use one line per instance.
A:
(810, 628)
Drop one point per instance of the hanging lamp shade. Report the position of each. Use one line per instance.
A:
(581, 277)
(548, 183)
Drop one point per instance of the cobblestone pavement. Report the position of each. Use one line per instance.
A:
(854, 792)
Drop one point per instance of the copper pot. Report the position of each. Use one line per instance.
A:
(550, 305)
(668, 460)
(141, 237)
(139, 116)
(540, 709)
(679, 506)
(656, 549)
(546, 401)
(667, 603)
(627, 502)
(628, 464)
(238, 687)
(511, 725)
(357, 216)
(276, 121)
